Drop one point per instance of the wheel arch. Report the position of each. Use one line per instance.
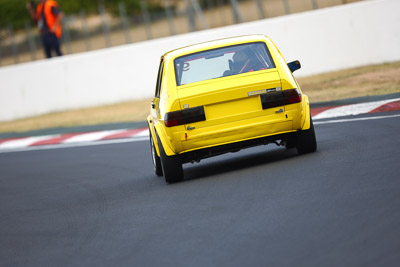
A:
(156, 130)
(306, 113)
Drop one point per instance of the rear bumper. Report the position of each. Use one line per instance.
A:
(203, 142)
(197, 155)
(234, 132)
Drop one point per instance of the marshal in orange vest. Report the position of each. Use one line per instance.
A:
(51, 19)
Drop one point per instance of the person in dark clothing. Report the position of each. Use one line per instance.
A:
(48, 17)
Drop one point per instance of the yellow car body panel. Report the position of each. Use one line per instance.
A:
(232, 105)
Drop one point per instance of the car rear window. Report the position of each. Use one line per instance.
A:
(221, 62)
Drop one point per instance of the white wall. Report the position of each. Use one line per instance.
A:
(324, 40)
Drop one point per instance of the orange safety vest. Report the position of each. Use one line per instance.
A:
(50, 17)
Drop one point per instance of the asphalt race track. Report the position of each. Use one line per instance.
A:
(265, 206)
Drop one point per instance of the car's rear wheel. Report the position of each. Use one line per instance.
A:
(306, 140)
(171, 166)
(155, 157)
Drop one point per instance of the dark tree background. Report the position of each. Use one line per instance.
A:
(14, 11)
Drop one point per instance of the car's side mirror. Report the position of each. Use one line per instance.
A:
(294, 65)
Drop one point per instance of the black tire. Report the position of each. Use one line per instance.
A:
(171, 166)
(306, 140)
(156, 159)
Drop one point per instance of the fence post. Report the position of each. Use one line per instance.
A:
(66, 36)
(86, 33)
(287, 7)
(190, 16)
(199, 13)
(260, 8)
(146, 19)
(236, 12)
(314, 4)
(14, 46)
(170, 17)
(106, 26)
(125, 22)
(31, 42)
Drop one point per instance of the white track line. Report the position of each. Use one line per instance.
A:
(355, 109)
(357, 119)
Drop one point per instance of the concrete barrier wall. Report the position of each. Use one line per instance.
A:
(324, 40)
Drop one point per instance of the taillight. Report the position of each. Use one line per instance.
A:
(185, 116)
(281, 98)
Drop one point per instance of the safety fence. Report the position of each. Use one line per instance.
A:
(83, 32)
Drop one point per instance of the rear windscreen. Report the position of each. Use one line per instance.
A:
(221, 62)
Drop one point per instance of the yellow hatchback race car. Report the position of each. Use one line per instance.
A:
(223, 96)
